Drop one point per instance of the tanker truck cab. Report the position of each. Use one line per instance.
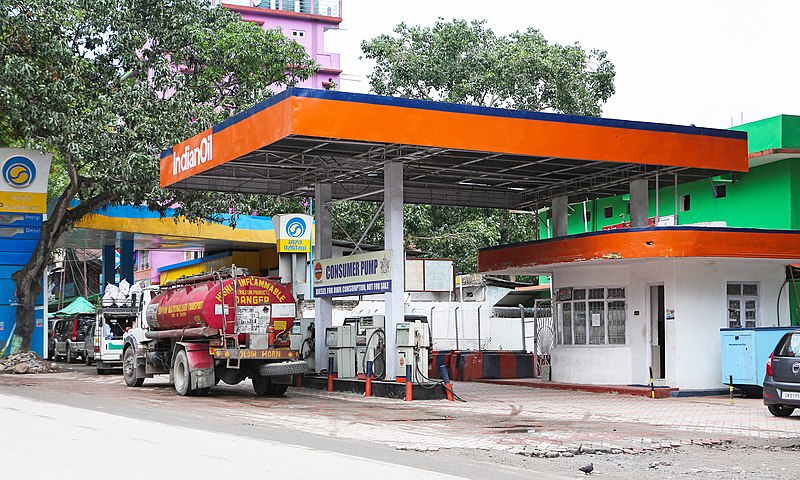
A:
(224, 326)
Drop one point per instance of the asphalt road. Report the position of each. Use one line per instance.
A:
(78, 414)
(127, 436)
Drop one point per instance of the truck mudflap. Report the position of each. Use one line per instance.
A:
(282, 368)
(202, 378)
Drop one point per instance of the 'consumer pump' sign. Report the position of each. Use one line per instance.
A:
(353, 275)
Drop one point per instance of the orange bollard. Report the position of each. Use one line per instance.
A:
(447, 387)
(409, 385)
(368, 392)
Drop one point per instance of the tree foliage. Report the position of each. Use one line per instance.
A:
(106, 85)
(466, 62)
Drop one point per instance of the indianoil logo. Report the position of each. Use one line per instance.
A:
(19, 171)
(318, 271)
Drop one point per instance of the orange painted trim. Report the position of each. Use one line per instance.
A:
(659, 242)
(775, 151)
(325, 118)
(399, 124)
(240, 138)
(269, 12)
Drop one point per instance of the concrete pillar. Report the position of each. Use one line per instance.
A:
(323, 307)
(126, 259)
(109, 265)
(639, 201)
(393, 240)
(560, 211)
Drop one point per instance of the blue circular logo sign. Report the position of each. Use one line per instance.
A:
(295, 227)
(19, 171)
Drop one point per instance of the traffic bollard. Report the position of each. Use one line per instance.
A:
(446, 378)
(368, 392)
(330, 374)
(409, 385)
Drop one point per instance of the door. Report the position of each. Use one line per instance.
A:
(657, 332)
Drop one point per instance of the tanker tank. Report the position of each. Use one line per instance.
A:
(199, 303)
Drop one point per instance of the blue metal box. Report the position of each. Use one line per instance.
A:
(745, 352)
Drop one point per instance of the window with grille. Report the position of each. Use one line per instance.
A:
(592, 316)
(144, 259)
(742, 304)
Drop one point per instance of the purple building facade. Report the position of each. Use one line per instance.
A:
(304, 21)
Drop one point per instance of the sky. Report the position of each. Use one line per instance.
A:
(710, 63)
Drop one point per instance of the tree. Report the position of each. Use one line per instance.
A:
(466, 62)
(106, 85)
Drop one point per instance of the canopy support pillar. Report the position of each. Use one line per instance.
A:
(393, 240)
(639, 200)
(560, 216)
(323, 306)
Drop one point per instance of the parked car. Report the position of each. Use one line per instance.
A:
(89, 343)
(782, 382)
(69, 336)
(51, 340)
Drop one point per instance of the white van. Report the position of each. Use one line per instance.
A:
(110, 326)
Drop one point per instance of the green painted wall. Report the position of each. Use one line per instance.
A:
(765, 197)
(781, 131)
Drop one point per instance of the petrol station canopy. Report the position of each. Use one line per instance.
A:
(452, 154)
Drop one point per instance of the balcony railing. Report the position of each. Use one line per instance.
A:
(326, 8)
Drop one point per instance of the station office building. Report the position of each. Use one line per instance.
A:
(628, 299)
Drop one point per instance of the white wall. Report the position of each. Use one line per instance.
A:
(696, 290)
(702, 311)
(591, 365)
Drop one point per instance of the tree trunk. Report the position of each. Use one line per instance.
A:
(28, 288)
(28, 279)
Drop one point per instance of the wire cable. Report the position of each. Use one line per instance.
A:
(437, 382)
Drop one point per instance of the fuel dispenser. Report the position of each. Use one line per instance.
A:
(370, 345)
(341, 343)
(302, 340)
(413, 343)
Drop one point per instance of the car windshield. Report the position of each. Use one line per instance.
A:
(791, 346)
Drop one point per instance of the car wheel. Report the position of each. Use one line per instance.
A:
(86, 359)
(779, 411)
(50, 352)
(129, 368)
(181, 374)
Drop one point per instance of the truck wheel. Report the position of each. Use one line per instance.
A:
(129, 368)
(181, 374)
(264, 386)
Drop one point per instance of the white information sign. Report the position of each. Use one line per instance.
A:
(362, 274)
(253, 319)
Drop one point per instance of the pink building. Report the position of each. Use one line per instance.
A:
(304, 21)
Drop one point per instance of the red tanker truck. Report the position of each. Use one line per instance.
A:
(212, 327)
